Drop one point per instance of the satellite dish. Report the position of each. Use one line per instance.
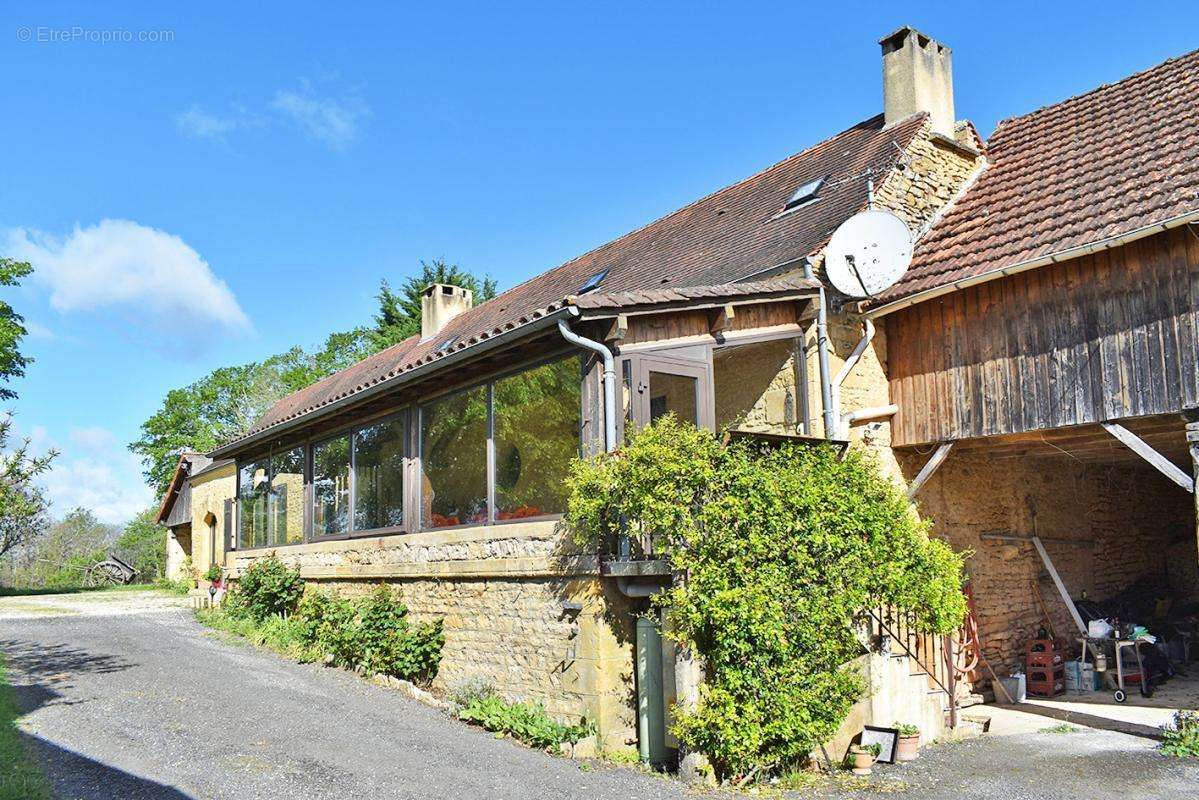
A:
(868, 253)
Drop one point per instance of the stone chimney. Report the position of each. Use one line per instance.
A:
(917, 76)
(440, 303)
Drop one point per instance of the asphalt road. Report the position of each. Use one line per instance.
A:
(138, 701)
(151, 705)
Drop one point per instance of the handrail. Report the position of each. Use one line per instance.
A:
(911, 642)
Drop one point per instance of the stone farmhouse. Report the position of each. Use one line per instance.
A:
(1033, 373)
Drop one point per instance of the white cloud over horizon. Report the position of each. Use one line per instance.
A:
(153, 278)
(94, 472)
(95, 438)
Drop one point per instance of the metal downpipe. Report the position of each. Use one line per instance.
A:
(826, 384)
(609, 380)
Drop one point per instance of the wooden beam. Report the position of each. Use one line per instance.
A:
(1006, 537)
(721, 319)
(1061, 587)
(1155, 459)
(934, 462)
(618, 328)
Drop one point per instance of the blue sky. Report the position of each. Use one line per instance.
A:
(242, 183)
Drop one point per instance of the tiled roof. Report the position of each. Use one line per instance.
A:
(619, 301)
(732, 234)
(1116, 160)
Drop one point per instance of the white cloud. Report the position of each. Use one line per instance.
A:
(205, 125)
(329, 120)
(36, 330)
(93, 438)
(107, 483)
(96, 473)
(152, 277)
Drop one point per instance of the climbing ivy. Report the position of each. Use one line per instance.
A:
(779, 548)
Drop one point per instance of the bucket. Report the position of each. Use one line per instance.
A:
(1016, 687)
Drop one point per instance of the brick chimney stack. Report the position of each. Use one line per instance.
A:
(917, 76)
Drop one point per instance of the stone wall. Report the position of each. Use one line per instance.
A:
(509, 596)
(754, 387)
(1130, 523)
(208, 495)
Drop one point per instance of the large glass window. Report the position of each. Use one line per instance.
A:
(252, 480)
(537, 418)
(331, 487)
(454, 460)
(379, 475)
(286, 498)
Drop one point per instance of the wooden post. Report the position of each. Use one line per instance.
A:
(1193, 444)
(929, 468)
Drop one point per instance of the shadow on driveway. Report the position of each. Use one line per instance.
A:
(79, 777)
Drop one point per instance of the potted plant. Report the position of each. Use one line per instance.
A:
(213, 575)
(908, 746)
(861, 757)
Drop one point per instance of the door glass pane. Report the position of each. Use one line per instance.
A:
(454, 460)
(673, 393)
(536, 436)
(331, 487)
(379, 476)
(286, 499)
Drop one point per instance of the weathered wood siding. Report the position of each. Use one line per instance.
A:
(1096, 338)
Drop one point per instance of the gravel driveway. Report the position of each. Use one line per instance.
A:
(152, 705)
(139, 701)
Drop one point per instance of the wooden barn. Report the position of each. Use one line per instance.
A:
(1043, 354)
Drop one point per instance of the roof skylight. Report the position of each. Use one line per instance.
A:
(807, 193)
(593, 282)
(447, 344)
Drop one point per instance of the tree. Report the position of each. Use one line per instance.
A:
(400, 310)
(143, 543)
(69, 548)
(23, 506)
(12, 327)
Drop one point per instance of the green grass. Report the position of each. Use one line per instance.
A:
(277, 634)
(7, 591)
(20, 779)
(1062, 728)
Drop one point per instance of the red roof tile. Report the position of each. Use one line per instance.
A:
(1118, 159)
(728, 236)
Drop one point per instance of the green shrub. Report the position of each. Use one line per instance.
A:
(282, 634)
(372, 634)
(528, 723)
(213, 573)
(781, 548)
(268, 588)
(1181, 738)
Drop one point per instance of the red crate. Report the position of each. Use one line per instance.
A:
(1047, 660)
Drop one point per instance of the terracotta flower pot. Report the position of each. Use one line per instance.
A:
(908, 748)
(863, 761)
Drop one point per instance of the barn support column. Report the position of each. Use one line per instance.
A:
(1193, 444)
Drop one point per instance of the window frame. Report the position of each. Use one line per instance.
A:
(310, 445)
(412, 414)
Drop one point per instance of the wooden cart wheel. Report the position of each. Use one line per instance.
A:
(104, 574)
